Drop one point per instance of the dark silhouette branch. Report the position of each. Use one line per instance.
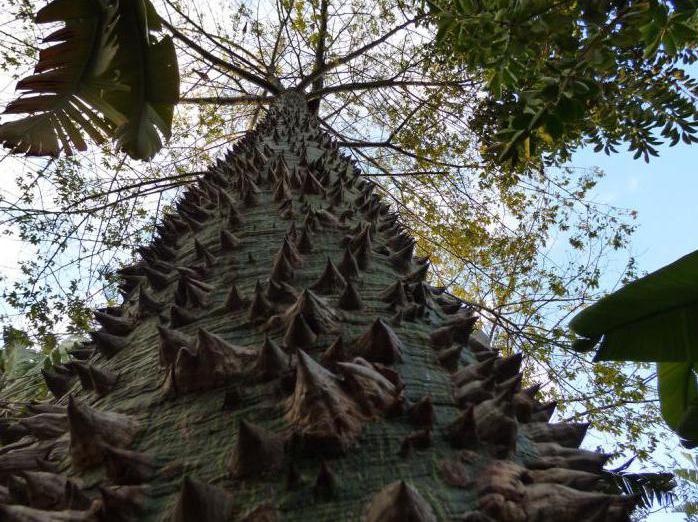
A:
(228, 100)
(358, 144)
(228, 50)
(349, 57)
(246, 75)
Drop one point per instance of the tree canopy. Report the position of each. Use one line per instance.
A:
(562, 74)
(526, 246)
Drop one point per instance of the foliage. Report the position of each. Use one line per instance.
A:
(689, 476)
(16, 359)
(653, 319)
(560, 74)
(105, 75)
(650, 489)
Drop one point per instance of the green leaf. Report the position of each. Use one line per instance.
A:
(106, 77)
(18, 358)
(652, 319)
(153, 79)
(678, 395)
(65, 72)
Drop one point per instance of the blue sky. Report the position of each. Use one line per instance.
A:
(665, 194)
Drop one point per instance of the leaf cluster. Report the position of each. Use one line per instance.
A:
(564, 73)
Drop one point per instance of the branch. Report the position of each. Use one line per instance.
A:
(379, 84)
(250, 77)
(349, 57)
(217, 43)
(408, 174)
(319, 81)
(388, 145)
(230, 100)
(277, 43)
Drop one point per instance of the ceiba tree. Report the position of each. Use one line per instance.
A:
(278, 353)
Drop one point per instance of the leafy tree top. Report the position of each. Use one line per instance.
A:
(563, 73)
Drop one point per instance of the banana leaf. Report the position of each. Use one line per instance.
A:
(652, 319)
(62, 97)
(149, 68)
(104, 76)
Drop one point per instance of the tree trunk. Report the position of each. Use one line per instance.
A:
(279, 355)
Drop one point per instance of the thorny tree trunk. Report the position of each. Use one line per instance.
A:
(280, 356)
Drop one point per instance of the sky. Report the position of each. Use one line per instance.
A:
(665, 194)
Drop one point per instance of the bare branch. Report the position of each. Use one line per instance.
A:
(230, 100)
(381, 84)
(319, 81)
(250, 77)
(349, 57)
(218, 44)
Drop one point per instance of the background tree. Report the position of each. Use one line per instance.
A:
(404, 114)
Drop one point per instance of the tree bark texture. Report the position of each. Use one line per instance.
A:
(280, 355)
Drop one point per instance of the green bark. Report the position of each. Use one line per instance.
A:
(279, 355)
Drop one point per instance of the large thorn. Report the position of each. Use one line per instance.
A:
(281, 269)
(348, 267)
(180, 316)
(569, 435)
(350, 298)
(58, 382)
(324, 417)
(272, 361)
(394, 295)
(92, 378)
(126, 467)
(90, 429)
(257, 451)
(399, 502)
(421, 413)
(563, 504)
(474, 371)
(234, 301)
(45, 425)
(495, 424)
(326, 483)
(260, 308)
(108, 344)
(115, 325)
(372, 390)
(379, 344)
(228, 240)
(212, 363)
(334, 354)
(462, 433)
(46, 490)
(171, 341)
(331, 281)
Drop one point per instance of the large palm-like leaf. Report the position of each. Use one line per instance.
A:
(62, 97)
(654, 319)
(105, 77)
